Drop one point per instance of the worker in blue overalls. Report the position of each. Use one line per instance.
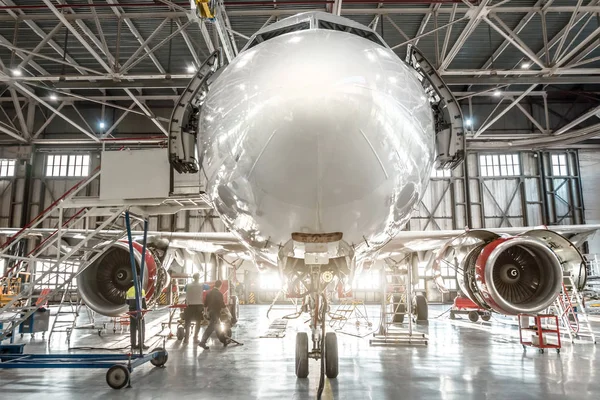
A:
(136, 323)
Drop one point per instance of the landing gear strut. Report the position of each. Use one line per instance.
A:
(325, 347)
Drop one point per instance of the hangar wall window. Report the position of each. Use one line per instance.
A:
(499, 165)
(67, 165)
(559, 165)
(7, 168)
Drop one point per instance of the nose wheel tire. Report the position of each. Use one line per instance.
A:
(302, 354)
(331, 355)
(117, 376)
(486, 317)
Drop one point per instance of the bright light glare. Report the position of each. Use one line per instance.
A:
(102, 125)
(17, 72)
(497, 93)
(525, 65)
(270, 281)
(191, 69)
(468, 122)
(53, 97)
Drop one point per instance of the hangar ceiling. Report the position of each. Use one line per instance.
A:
(84, 71)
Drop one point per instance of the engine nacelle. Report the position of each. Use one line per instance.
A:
(103, 285)
(512, 275)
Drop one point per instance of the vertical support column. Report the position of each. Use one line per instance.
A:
(136, 284)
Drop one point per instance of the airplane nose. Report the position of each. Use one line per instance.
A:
(321, 131)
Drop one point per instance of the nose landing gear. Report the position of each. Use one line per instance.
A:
(325, 345)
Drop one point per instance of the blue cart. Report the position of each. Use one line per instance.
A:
(120, 366)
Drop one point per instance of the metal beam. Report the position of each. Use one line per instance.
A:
(40, 32)
(119, 120)
(22, 88)
(40, 45)
(503, 112)
(47, 122)
(135, 62)
(119, 13)
(12, 133)
(19, 112)
(589, 114)
(520, 26)
(475, 14)
(567, 29)
(530, 117)
(189, 44)
(146, 111)
(31, 54)
(6, 43)
(448, 32)
(563, 59)
(520, 80)
(144, 46)
(513, 39)
(77, 35)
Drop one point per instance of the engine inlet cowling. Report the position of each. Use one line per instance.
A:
(103, 285)
(512, 275)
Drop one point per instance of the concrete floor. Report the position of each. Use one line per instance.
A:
(462, 361)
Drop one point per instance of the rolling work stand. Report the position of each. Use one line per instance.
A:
(119, 366)
(539, 331)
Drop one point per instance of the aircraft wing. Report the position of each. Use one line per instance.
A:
(412, 241)
(208, 242)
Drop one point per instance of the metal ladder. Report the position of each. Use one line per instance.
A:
(573, 318)
(65, 318)
(391, 333)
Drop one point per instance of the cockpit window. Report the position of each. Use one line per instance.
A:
(355, 31)
(278, 32)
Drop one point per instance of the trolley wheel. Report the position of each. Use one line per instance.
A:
(117, 376)
(557, 351)
(524, 347)
(421, 308)
(301, 354)
(452, 315)
(542, 351)
(331, 355)
(161, 358)
(180, 333)
(399, 308)
(486, 316)
(473, 316)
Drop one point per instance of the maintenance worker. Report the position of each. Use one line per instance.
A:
(213, 304)
(195, 308)
(133, 317)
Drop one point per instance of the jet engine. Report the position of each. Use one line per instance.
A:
(103, 285)
(516, 274)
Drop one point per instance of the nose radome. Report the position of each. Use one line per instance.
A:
(321, 146)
